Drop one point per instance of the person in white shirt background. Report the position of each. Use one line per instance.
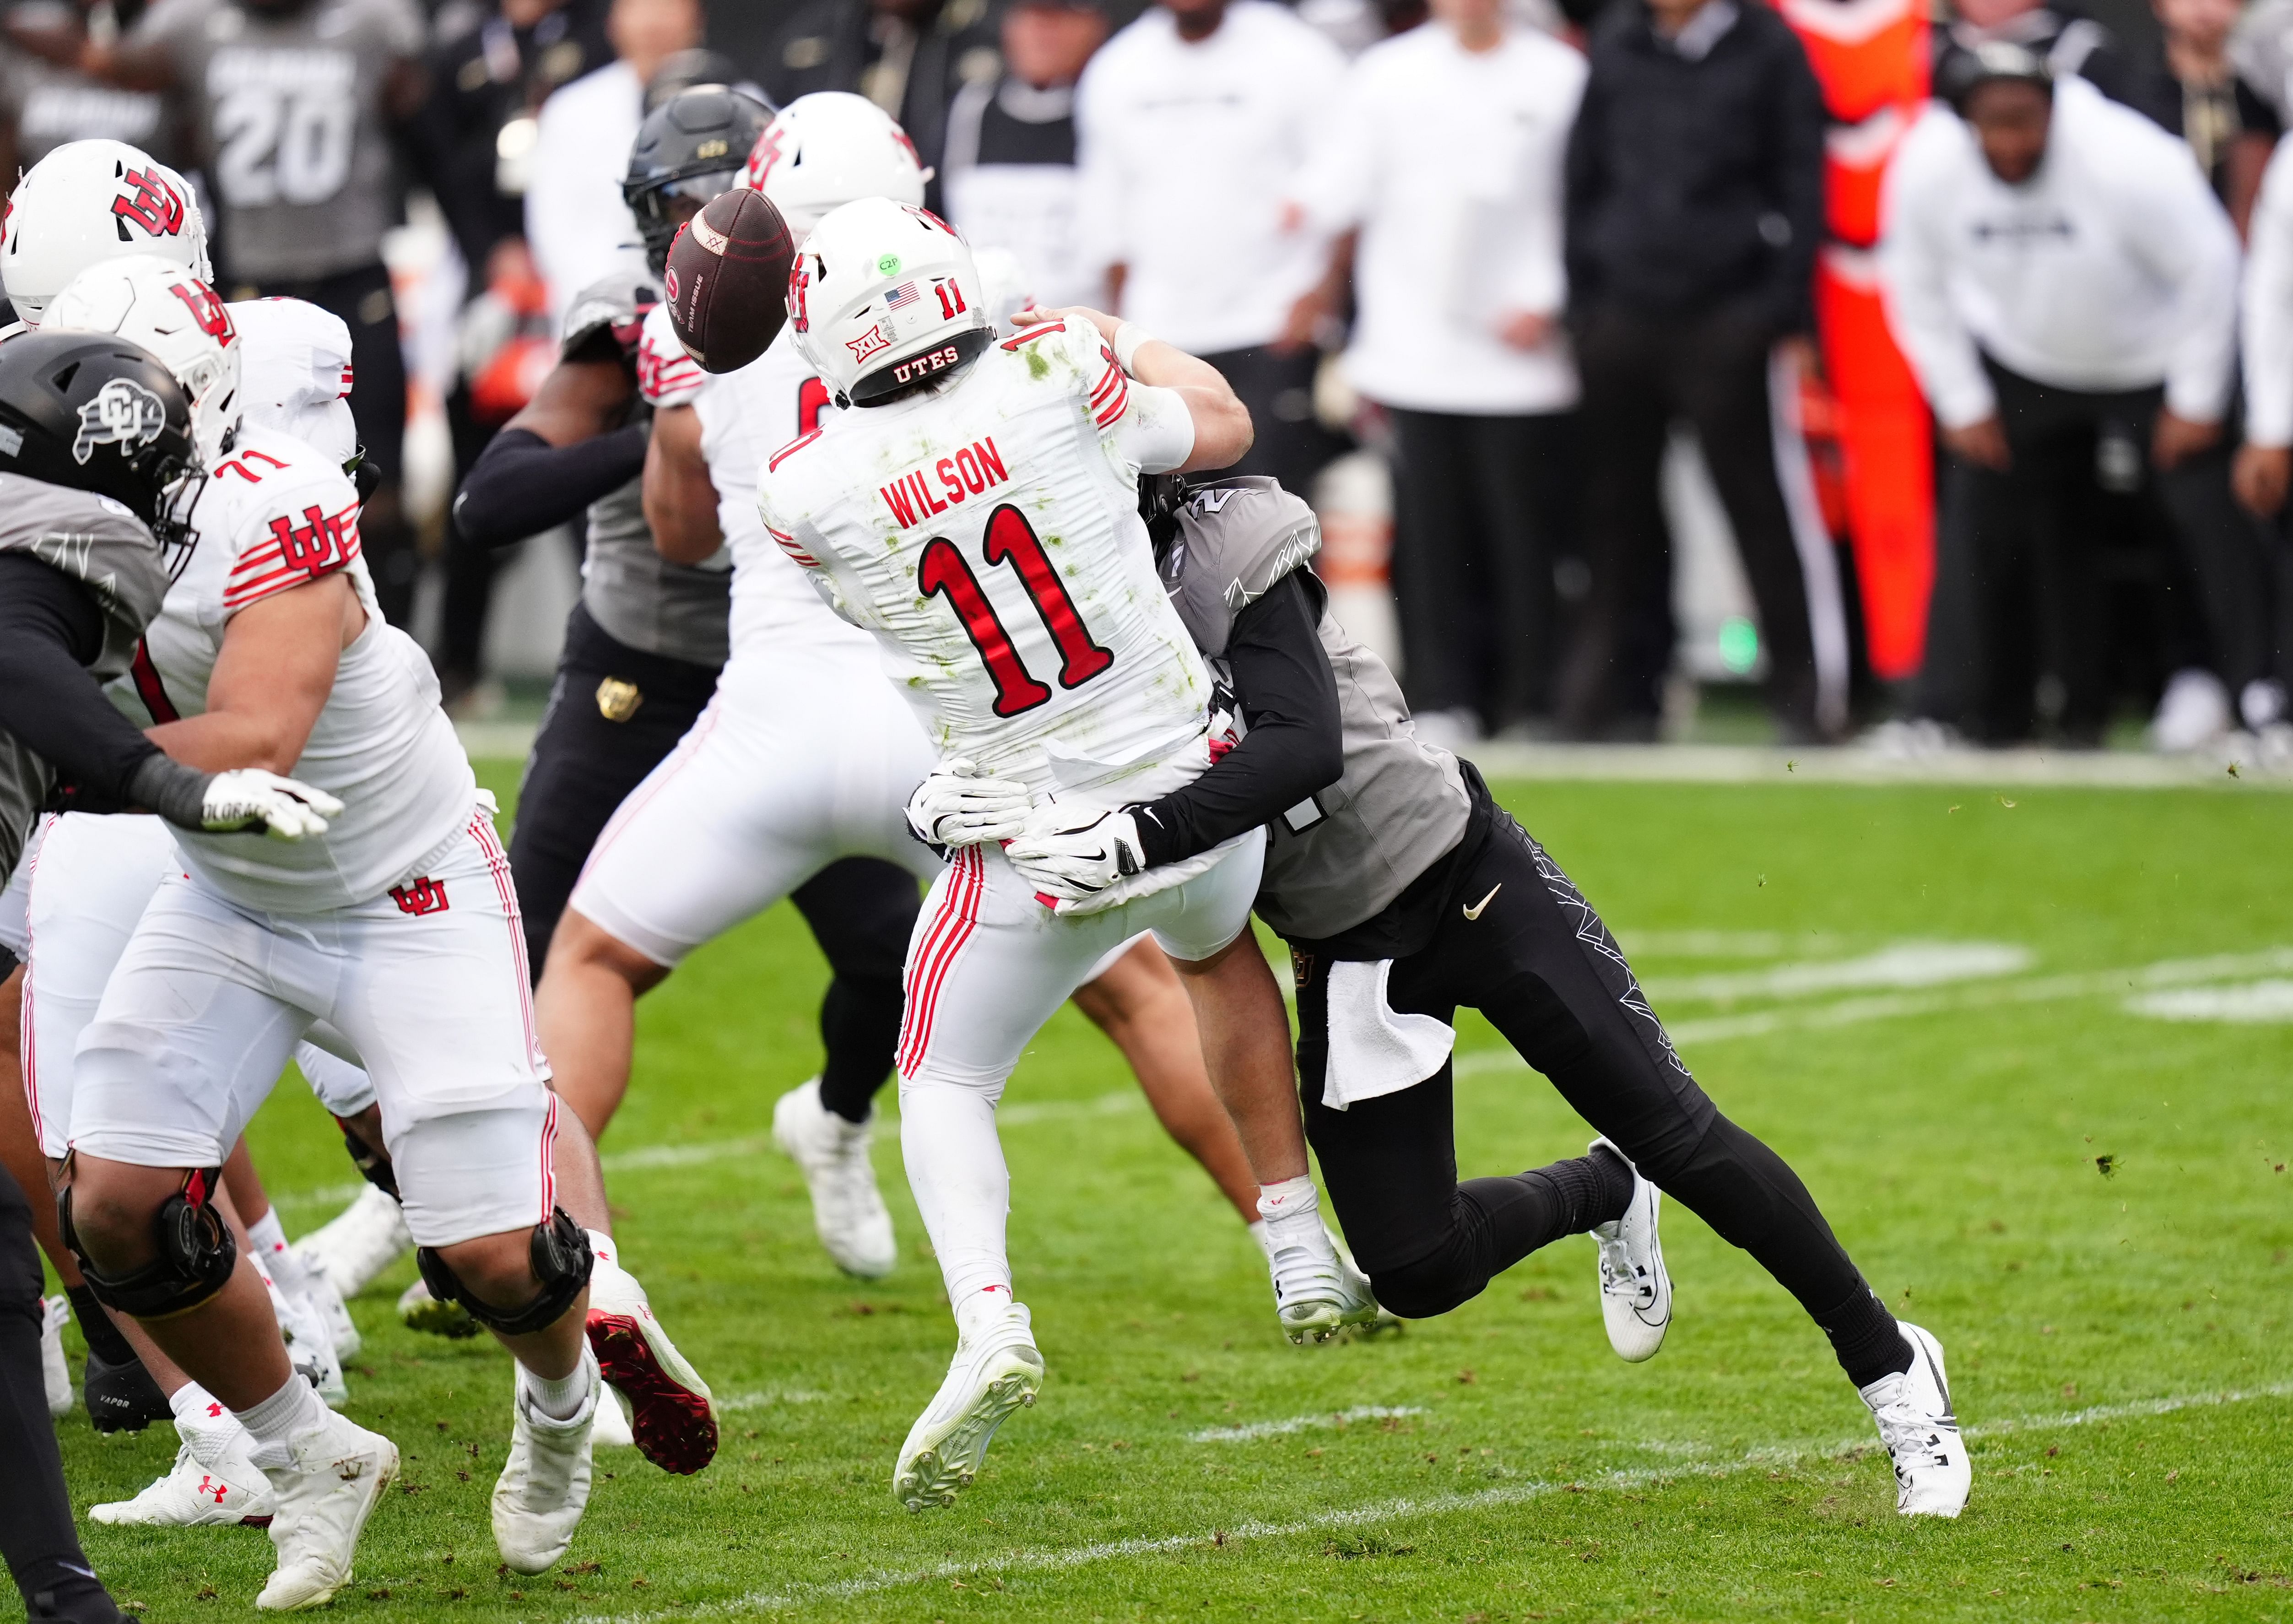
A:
(1193, 124)
(1444, 186)
(2063, 281)
(1008, 171)
(580, 229)
(2264, 462)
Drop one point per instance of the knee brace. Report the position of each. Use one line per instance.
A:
(196, 1254)
(562, 1262)
(374, 1165)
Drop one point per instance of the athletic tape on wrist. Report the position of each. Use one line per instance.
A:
(1128, 338)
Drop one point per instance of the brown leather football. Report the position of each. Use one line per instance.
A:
(727, 282)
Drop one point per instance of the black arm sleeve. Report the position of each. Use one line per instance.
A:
(49, 629)
(522, 485)
(1295, 745)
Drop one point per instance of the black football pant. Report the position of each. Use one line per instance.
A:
(36, 1517)
(1642, 374)
(362, 298)
(1483, 505)
(1538, 963)
(1292, 445)
(583, 767)
(2019, 588)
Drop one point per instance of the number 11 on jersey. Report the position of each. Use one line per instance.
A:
(1010, 539)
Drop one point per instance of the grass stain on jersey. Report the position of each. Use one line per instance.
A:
(1037, 367)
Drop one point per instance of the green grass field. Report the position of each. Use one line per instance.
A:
(2087, 1201)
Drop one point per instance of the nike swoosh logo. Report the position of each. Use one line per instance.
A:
(1474, 911)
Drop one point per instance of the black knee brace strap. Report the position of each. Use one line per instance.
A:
(196, 1254)
(562, 1262)
(374, 1165)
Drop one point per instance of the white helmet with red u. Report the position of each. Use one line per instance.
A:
(89, 201)
(883, 296)
(157, 305)
(826, 149)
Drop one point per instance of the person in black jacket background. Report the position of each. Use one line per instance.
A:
(1694, 206)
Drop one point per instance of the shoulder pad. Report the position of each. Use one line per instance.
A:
(617, 301)
(1235, 539)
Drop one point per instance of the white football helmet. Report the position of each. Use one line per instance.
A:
(883, 296)
(89, 201)
(826, 149)
(154, 303)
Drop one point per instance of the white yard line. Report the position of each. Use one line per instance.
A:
(1252, 1431)
(1899, 964)
(1061, 1558)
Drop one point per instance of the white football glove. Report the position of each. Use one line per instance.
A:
(960, 805)
(1076, 853)
(284, 808)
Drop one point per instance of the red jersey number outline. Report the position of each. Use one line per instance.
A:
(1010, 539)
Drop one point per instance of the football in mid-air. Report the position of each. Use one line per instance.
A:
(728, 281)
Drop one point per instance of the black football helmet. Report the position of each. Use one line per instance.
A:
(688, 150)
(94, 412)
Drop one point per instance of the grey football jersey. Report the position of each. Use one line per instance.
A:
(49, 106)
(94, 540)
(673, 610)
(285, 112)
(1337, 859)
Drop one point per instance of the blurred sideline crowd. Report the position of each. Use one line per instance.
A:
(1932, 371)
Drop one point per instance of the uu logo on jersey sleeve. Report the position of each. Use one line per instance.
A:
(123, 413)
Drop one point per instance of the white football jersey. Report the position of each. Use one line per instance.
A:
(746, 416)
(987, 533)
(276, 515)
(295, 372)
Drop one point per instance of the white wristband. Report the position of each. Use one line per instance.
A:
(1128, 338)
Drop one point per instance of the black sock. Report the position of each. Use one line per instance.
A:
(1536, 1208)
(1864, 1334)
(860, 1027)
(95, 1326)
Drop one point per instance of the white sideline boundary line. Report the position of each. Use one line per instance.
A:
(2103, 770)
(1250, 1432)
(1058, 1559)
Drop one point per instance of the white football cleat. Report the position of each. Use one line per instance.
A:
(358, 1243)
(613, 1428)
(1932, 1474)
(55, 1375)
(1318, 1291)
(333, 1477)
(848, 1209)
(309, 1346)
(996, 1371)
(1385, 1322)
(421, 1311)
(1635, 1287)
(544, 1486)
(672, 1415)
(320, 1296)
(214, 1481)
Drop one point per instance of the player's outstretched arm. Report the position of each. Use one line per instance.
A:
(571, 444)
(1223, 431)
(680, 501)
(271, 680)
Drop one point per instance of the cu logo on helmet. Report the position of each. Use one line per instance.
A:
(149, 201)
(123, 413)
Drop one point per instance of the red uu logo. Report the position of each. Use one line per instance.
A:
(420, 896)
(313, 548)
(205, 309)
(150, 202)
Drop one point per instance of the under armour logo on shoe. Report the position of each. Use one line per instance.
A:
(208, 1485)
(215, 1411)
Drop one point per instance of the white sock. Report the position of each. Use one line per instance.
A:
(561, 1397)
(1265, 1241)
(602, 1247)
(196, 1407)
(269, 1238)
(293, 1410)
(962, 1188)
(1291, 1212)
